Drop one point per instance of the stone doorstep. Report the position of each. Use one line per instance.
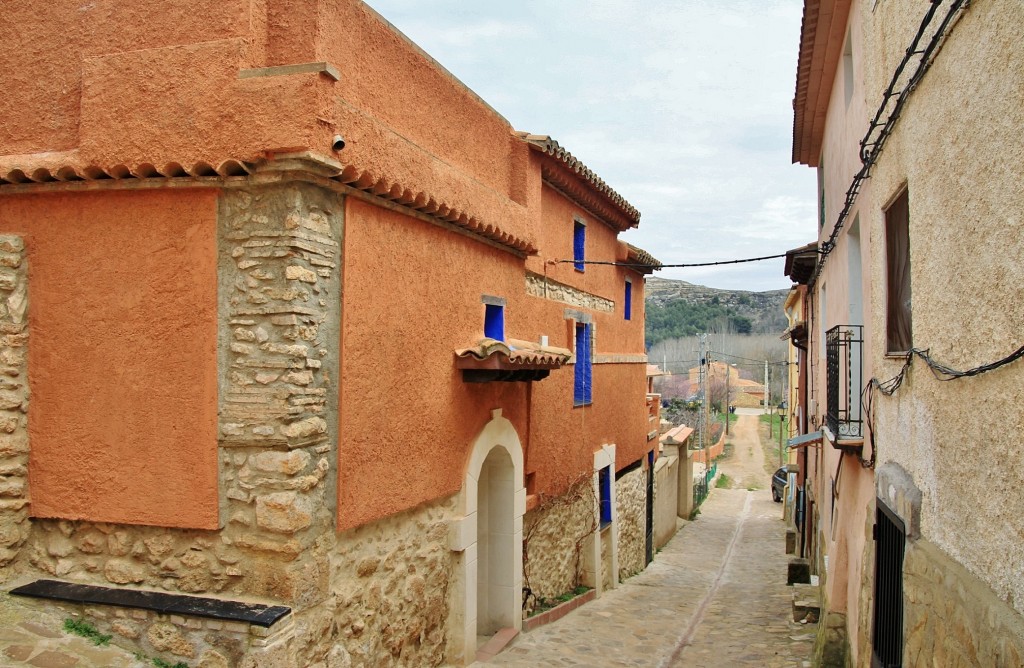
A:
(262, 622)
(557, 612)
(498, 642)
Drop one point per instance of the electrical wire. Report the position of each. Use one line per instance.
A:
(941, 372)
(635, 265)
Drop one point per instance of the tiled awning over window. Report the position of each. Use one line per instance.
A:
(511, 361)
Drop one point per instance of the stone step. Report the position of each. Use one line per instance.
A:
(806, 604)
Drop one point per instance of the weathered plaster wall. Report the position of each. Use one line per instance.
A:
(123, 363)
(839, 535)
(631, 524)
(965, 207)
(553, 534)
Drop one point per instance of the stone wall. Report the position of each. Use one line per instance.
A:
(541, 286)
(553, 536)
(280, 313)
(390, 590)
(952, 618)
(631, 521)
(14, 524)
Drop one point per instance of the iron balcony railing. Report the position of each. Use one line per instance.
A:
(844, 346)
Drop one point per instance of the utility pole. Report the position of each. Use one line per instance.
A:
(707, 407)
(728, 370)
(701, 380)
(767, 398)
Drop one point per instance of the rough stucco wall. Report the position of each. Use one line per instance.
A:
(45, 115)
(387, 330)
(120, 404)
(959, 440)
(631, 521)
(551, 533)
(390, 582)
(408, 337)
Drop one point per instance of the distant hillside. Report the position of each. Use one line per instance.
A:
(677, 309)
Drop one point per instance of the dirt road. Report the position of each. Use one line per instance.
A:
(745, 468)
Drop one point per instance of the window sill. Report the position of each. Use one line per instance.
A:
(605, 526)
(584, 404)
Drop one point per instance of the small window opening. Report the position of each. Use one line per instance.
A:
(899, 335)
(848, 68)
(628, 300)
(579, 243)
(494, 322)
(604, 483)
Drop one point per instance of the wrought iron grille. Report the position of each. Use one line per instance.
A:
(887, 636)
(844, 375)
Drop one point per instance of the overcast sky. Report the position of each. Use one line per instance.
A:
(684, 107)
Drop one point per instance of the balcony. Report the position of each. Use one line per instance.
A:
(844, 420)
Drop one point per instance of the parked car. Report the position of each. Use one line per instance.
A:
(779, 480)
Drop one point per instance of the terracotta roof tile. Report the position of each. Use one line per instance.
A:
(549, 146)
(515, 353)
(677, 434)
(34, 169)
(640, 256)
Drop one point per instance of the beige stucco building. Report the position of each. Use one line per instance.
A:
(913, 493)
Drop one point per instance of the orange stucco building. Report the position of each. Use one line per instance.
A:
(289, 315)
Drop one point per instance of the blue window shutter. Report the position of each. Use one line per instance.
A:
(494, 322)
(579, 245)
(582, 380)
(588, 369)
(628, 301)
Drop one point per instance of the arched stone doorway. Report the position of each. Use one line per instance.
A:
(495, 597)
(489, 535)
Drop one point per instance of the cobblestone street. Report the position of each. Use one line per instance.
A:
(715, 595)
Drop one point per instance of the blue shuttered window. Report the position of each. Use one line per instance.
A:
(582, 386)
(579, 244)
(494, 322)
(628, 301)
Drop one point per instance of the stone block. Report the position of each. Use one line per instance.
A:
(798, 571)
(293, 273)
(288, 463)
(283, 512)
(166, 637)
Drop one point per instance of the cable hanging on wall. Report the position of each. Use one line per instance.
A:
(893, 100)
(941, 372)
